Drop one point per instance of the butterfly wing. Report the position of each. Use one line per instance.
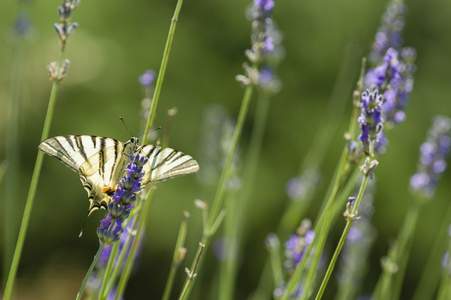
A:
(166, 163)
(99, 161)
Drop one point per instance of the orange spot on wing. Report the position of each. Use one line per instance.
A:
(109, 190)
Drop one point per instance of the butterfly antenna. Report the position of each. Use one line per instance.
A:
(123, 122)
(82, 227)
(150, 131)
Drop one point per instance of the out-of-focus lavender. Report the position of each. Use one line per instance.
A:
(216, 133)
(392, 67)
(266, 50)
(294, 251)
(446, 263)
(297, 188)
(389, 33)
(433, 154)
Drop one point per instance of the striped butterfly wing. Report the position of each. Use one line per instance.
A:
(166, 163)
(99, 161)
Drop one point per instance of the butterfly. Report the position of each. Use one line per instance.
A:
(101, 163)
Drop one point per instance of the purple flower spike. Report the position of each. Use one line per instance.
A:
(370, 120)
(297, 243)
(432, 160)
(124, 197)
(389, 33)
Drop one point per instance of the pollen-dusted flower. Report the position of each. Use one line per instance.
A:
(433, 154)
(125, 195)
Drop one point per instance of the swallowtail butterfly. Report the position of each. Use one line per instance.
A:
(101, 162)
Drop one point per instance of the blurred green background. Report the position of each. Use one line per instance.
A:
(118, 40)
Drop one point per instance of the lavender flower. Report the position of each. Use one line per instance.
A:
(392, 68)
(386, 75)
(147, 78)
(371, 121)
(389, 32)
(265, 49)
(119, 209)
(433, 154)
(296, 245)
(297, 188)
(22, 25)
(66, 28)
(294, 251)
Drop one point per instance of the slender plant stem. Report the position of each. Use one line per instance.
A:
(110, 276)
(215, 214)
(108, 270)
(162, 71)
(310, 280)
(292, 283)
(402, 248)
(118, 266)
(342, 239)
(232, 224)
(177, 258)
(431, 272)
(192, 273)
(156, 95)
(12, 154)
(217, 202)
(31, 192)
(88, 274)
(132, 255)
(341, 177)
(236, 214)
(444, 291)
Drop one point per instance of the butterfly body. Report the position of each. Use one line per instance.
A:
(101, 162)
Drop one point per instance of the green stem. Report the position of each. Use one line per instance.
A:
(88, 274)
(161, 73)
(431, 272)
(215, 214)
(12, 154)
(390, 281)
(219, 196)
(444, 291)
(108, 270)
(177, 258)
(236, 214)
(192, 273)
(31, 194)
(342, 239)
(132, 255)
(110, 277)
(321, 223)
